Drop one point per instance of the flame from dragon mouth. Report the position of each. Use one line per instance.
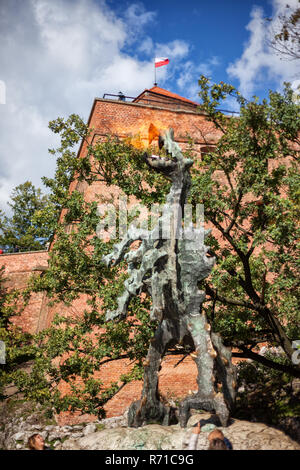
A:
(153, 133)
(140, 140)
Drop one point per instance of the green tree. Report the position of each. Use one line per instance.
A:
(20, 230)
(255, 215)
(253, 209)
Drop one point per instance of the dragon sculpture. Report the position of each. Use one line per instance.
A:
(169, 268)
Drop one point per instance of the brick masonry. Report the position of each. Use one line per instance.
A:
(18, 267)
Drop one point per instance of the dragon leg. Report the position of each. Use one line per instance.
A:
(149, 408)
(207, 397)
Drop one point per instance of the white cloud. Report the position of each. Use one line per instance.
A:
(56, 56)
(189, 75)
(136, 16)
(128, 74)
(258, 60)
(176, 49)
(147, 46)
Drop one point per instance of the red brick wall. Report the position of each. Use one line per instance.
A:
(174, 383)
(123, 119)
(18, 269)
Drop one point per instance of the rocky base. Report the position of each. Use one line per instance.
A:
(114, 434)
(243, 435)
(26, 419)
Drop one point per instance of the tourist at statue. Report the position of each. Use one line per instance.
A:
(215, 435)
(217, 444)
(216, 439)
(36, 442)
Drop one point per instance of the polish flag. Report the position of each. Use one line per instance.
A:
(159, 61)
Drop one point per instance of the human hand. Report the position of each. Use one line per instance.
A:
(197, 428)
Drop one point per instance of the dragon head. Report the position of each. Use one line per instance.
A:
(174, 164)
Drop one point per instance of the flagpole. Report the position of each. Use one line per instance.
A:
(155, 84)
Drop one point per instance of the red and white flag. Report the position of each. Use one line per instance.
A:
(159, 61)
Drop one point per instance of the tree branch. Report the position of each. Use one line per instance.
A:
(247, 353)
(235, 215)
(215, 296)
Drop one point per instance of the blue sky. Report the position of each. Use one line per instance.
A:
(216, 33)
(57, 55)
(212, 29)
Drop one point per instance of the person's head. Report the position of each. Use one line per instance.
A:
(216, 434)
(217, 444)
(36, 442)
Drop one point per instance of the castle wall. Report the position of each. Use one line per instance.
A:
(125, 119)
(18, 267)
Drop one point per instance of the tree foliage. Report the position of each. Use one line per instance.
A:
(266, 394)
(253, 209)
(20, 230)
(286, 35)
(255, 214)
